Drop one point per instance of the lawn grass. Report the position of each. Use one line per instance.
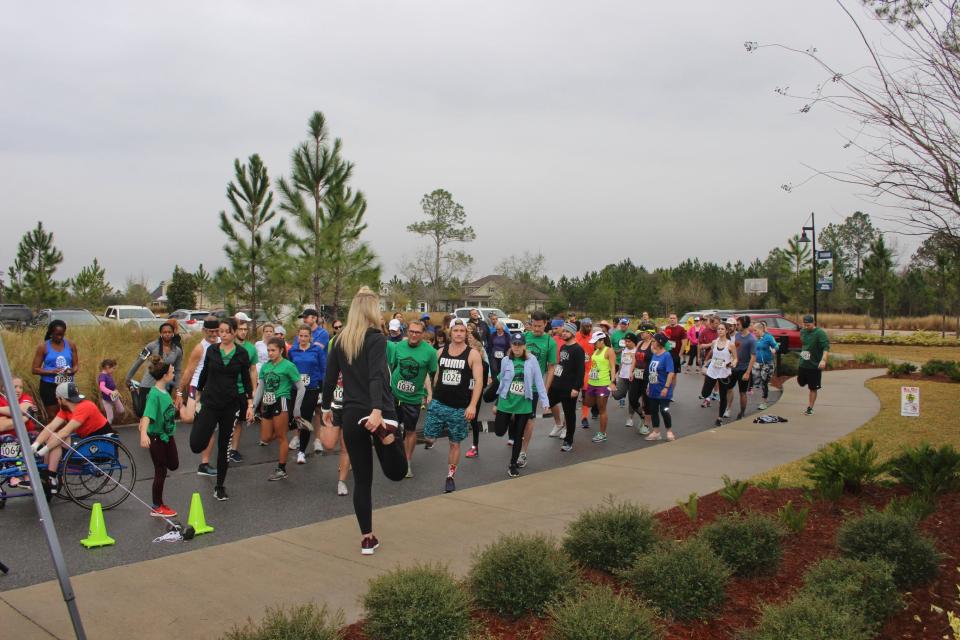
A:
(937, 424)
(908, 353)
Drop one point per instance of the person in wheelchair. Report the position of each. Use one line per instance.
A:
(27, 405)
(78, 416)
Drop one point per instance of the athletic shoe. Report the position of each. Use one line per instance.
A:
(705, 404)
(629, 423)
(409, 470)
(715, 397)
(726, 414)
(584, 424)
(220, 494)
(513, 471)
(473, 453)
(429, 444)
(342, 488)
(566, 447)
(317, 447)
(598, 437)
(369, 545)
(301, 457)
(278, 474)
(623, 403)
(522, 459)
(654, 436)
(163, 511)
(808, 411)
(54, 485)
(762, 406)
(670, 436)
(718, 423)
(509, 442)
(206, 470)
(739, 415)
(644, 430)
(449, 486)
(555, 431)
(563, 434)
(261, 443)
(234, 456)
(294, 442)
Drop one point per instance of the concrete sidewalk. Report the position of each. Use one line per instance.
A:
(205, 592)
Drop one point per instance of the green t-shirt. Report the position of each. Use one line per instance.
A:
(410, 366)
(251, 354)
(163, 417)
(278, 380)
(617, 340)
(515, 402)
(544, 348)
(815, 342)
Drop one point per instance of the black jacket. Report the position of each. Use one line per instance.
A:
(366, 381)
(218, 381)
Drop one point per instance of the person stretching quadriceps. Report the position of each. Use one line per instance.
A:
(157, 426)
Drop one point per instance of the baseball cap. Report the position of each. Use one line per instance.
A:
(425, 316)
(241, 316)
(569, 326)
(661, 338)
(556, 323)
(631, 336)
(395, 325)
(518, 338)
(647, 327)
(597, 336)
(309, 311)
(458, 321)
(624, 320)
(808, 318)
(68, 391)
(586, 321)
(279, 330)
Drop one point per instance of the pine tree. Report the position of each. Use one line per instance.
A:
(90, 286)
(879, 277)
(32, 275)
(201, 277)
(350, 261)
(182, 290)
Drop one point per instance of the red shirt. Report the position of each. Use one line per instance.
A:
(676, 334)
(23, 398)
(87, 414)
(584, 342)
(707, 335)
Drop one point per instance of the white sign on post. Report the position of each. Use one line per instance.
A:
(910, 402)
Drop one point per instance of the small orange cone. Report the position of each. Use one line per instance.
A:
(97, 536)
(196, 518)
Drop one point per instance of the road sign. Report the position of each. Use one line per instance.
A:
(910, 402)
(825, 255)
(755, 285)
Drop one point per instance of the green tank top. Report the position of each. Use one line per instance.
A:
(600, 368)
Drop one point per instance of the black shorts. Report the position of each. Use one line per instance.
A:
(48, 393)
(676, 361)
(105, 430)
(270, 411)
(337, 416)
(408, 415)
(556, 396)
(742, 384)
(809, 377)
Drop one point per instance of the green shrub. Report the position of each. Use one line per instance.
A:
(303, 622)
(902, 369)
(914, 507)
(872, 358)
(864, 587)
(686, 580)
(893, 538)
(521, 573)
(808, 618)
(603, 615)
(950, 368)
(733, 490)
(690, 506)
(749, 544)
(770, 484)
(789, 364)
(927, 470)
(851, 466)
(916, 339)
(611, 536)
(794, 519)
(422, 602)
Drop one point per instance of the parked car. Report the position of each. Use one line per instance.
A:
(785, 331)
(132, 314)
(511, 325)
(190, 320)
(260, 316)
(73, 318)
(14, 316)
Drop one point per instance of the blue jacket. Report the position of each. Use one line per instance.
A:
(312, 361)
(531, 371)
(764, 345)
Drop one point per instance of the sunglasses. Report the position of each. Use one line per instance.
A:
(338, 326)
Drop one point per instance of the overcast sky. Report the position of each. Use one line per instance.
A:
(589, 131)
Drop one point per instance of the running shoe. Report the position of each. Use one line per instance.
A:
(294, 442)
(473, 453)
(670, 436)
(522, 459)
(623, 403)
(654, 436)
(278, 474)
(726, 414)
(566, 447)
(234, 456)
(715, 396)
(261, 443)
(705, 404)
(584, 424)
(739, 415)
(449, 486)
(513, 471)
(563, 434)
(220, 494)
(598, 437)
(342, 488)
(301, 457)
(206, 470)
(509, 442)
(163, 511)
(718, 423)
(644, 430)
(629, 423)
(429, 444)
(54, 485)
(409, 470)
(808, 411)
(762, 406)
(555, 431)
(317, 447)
(369, 545)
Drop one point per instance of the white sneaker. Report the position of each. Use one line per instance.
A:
(726, 414)
(644, 430)
(555, 431)
(629, 422)
(294, 442)
(563, 434)
(317, 447)
(301, 457)
(342, 488)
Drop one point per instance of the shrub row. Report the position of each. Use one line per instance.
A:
(917, 339)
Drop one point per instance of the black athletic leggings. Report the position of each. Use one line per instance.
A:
(514, 423)
(658, 407)
(475, 423)
(222, 420)
(725, 385)
(638, 397)
(165, 458)
(692, 355)
(392, 458)
(569, 407)
(307, 408)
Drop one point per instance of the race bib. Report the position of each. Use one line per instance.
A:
(60, 378)
(638, 374)
(627, 359)
(558, 370)
(654, 377)
(498, 355)
(405, 386)
(451, 377)
(305, 379)
(338, 394)
(517, 387)
(594, 374)
(804, 355)
(269, 397)
(622, 343)
(717, 363)
(10, 450)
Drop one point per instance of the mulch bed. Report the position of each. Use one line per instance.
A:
(744, 595)
(917, 377)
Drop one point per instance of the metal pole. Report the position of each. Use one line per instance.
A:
(46, 519)
(813, 236)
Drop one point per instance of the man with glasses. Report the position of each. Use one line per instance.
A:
(411, 362)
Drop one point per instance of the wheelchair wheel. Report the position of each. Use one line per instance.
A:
(98, 469)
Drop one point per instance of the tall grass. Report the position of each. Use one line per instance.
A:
(94, 344)
(898, 323)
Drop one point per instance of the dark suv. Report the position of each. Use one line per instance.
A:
(15, 316)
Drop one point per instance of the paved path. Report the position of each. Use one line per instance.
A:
(205, 591)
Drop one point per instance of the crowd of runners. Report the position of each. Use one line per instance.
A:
(363, 385)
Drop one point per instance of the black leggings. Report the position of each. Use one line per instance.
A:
(165, 458)
(514, 423)
(220, 419)
(392, 458)
(658, 407)
(638, 397)
(569, 407)
(692, 355)
(307, 409)
(725, 384)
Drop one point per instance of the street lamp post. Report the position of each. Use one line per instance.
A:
(813, 255)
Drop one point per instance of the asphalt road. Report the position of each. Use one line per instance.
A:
(308, 495)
